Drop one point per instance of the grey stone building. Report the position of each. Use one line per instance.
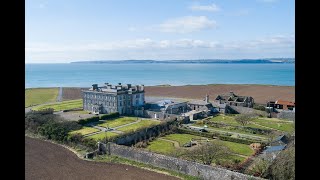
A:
(124, 99)
(235, 100)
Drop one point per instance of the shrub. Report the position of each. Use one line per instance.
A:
(259, 107)
(110, 116)
(88, 120)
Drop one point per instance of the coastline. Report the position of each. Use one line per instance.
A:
(260, 93)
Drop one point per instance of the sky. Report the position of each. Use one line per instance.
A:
(62, 31)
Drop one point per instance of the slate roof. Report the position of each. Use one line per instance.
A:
(274, 148)
(198, 102)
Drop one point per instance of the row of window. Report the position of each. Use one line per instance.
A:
(97, 96)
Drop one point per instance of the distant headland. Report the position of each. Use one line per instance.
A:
(264, 60)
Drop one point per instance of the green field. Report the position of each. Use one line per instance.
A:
(165, 147)
(230, 129)
(139, 125)
(279, 125)
(100, 136)
(161, 146)
(238, 148)
(229, 120)
(40, 95)
(182, 138)
(64, 105)
(85, 131)
(221, 118)
(118, 122)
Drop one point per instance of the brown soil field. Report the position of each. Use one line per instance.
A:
(45, 160)
(71, 93)
(260, 93)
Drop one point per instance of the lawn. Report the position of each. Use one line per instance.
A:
(279, 125)
(221, 118)
(228, 129)
(85, 130)
(182, 138)
(64, 105)
(100, 136)
(238, 148)
(229, 120)
(161, 146)
(118, 122)
(81, 112)
(139, 125)
(37, 96)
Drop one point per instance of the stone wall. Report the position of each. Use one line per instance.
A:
(187, 167)
(290, 115)
(146, 133)
(244, 110)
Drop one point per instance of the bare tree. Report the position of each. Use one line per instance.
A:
(244, 119)
(209, 152)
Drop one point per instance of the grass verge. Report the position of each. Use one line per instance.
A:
(37, 96)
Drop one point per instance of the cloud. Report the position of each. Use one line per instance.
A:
(242, 12)
(144, 48)
(186, 24)
(147, 43)
(211, 8)
(132, 29)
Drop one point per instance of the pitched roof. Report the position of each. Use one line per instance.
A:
(285, 102)
(198, 102)
(274, 148)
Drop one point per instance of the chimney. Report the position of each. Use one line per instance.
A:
(119, 83)
(142, 87)
(207, 98)
(129, 86)
(130, 91)
(94, 87)
(231, 93)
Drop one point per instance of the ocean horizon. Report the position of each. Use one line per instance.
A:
(84, 75)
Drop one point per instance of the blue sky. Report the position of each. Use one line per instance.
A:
(74, 30)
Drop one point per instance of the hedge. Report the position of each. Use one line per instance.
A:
(109, 116)
(88, 120)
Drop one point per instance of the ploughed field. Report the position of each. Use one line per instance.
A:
(45, 160)
(260, 93)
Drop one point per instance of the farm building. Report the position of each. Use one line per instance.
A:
(235, 100)
(284, 105)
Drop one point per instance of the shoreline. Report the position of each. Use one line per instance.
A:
(169, 85)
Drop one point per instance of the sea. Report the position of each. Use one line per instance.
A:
(150, 74)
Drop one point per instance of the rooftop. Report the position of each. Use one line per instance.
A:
(285, 102)
(274, 148)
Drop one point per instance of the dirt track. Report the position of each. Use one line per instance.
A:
(44, 160)
(260, 93)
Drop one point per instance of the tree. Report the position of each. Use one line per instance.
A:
(283, 167)
(244, 119)
(209, 152)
